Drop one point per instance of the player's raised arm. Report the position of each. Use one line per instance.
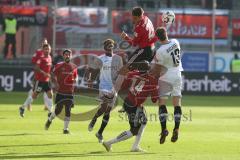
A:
(120, 79)
(92, 72)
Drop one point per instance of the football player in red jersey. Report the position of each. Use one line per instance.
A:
(35, 57)
(64, 77)
(140, 85)
(144, 35)
(144, 38)
(42, 76)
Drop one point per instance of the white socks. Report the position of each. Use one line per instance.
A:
(52, 116)
(28, 101)
(48, 101)
(128, 134)
(30, 92)
(45, 99)
(66, 123)
(138, 137)
(123, 136)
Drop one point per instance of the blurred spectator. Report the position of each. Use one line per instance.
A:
(86, 2)
(203, 3)
(126, 26)
(37, 2)
(102, 3)
(10, 27)
(235, 64)
(87, 41)
(121, 3)
(132, 3)
(169, 4)
(224, 4)
(158, 4)
(25, 2)
(71, 2)
(221, 4)
(7, 2)
(146, 3)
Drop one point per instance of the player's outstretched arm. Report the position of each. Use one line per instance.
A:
(54, 81)
(155, 92)
(119, 81)
(155, 70)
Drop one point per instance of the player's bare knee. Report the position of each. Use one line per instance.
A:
(176, 101)
(34, 95)
(49, 94)
(162, 101)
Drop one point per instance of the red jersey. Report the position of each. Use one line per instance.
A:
(44, 63)
(144, 34)
(140, 87)
(38, 54)
(66, 75)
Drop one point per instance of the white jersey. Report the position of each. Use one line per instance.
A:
(169, 56)
(105, 74)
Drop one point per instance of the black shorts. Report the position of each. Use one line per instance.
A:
(136, 115)
(148, 54)
(41, 86)
(63, 98)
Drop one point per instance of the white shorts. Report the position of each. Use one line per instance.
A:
(170, 84)
(111, 101)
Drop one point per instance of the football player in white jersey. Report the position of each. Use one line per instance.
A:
(170, 83)
(109, 64)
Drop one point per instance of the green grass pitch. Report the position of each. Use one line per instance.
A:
(210, 130)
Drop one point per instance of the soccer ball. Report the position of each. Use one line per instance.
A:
(168, 17)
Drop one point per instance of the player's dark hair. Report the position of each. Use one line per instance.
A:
(161, 33)
(67, 51)
(108, 43)
(142, 66)
(137, 11)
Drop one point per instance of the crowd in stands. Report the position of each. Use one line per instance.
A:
(89, 39)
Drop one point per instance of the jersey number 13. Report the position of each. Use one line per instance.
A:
(176, 56)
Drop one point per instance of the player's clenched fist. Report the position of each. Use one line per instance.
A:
(123, 35)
